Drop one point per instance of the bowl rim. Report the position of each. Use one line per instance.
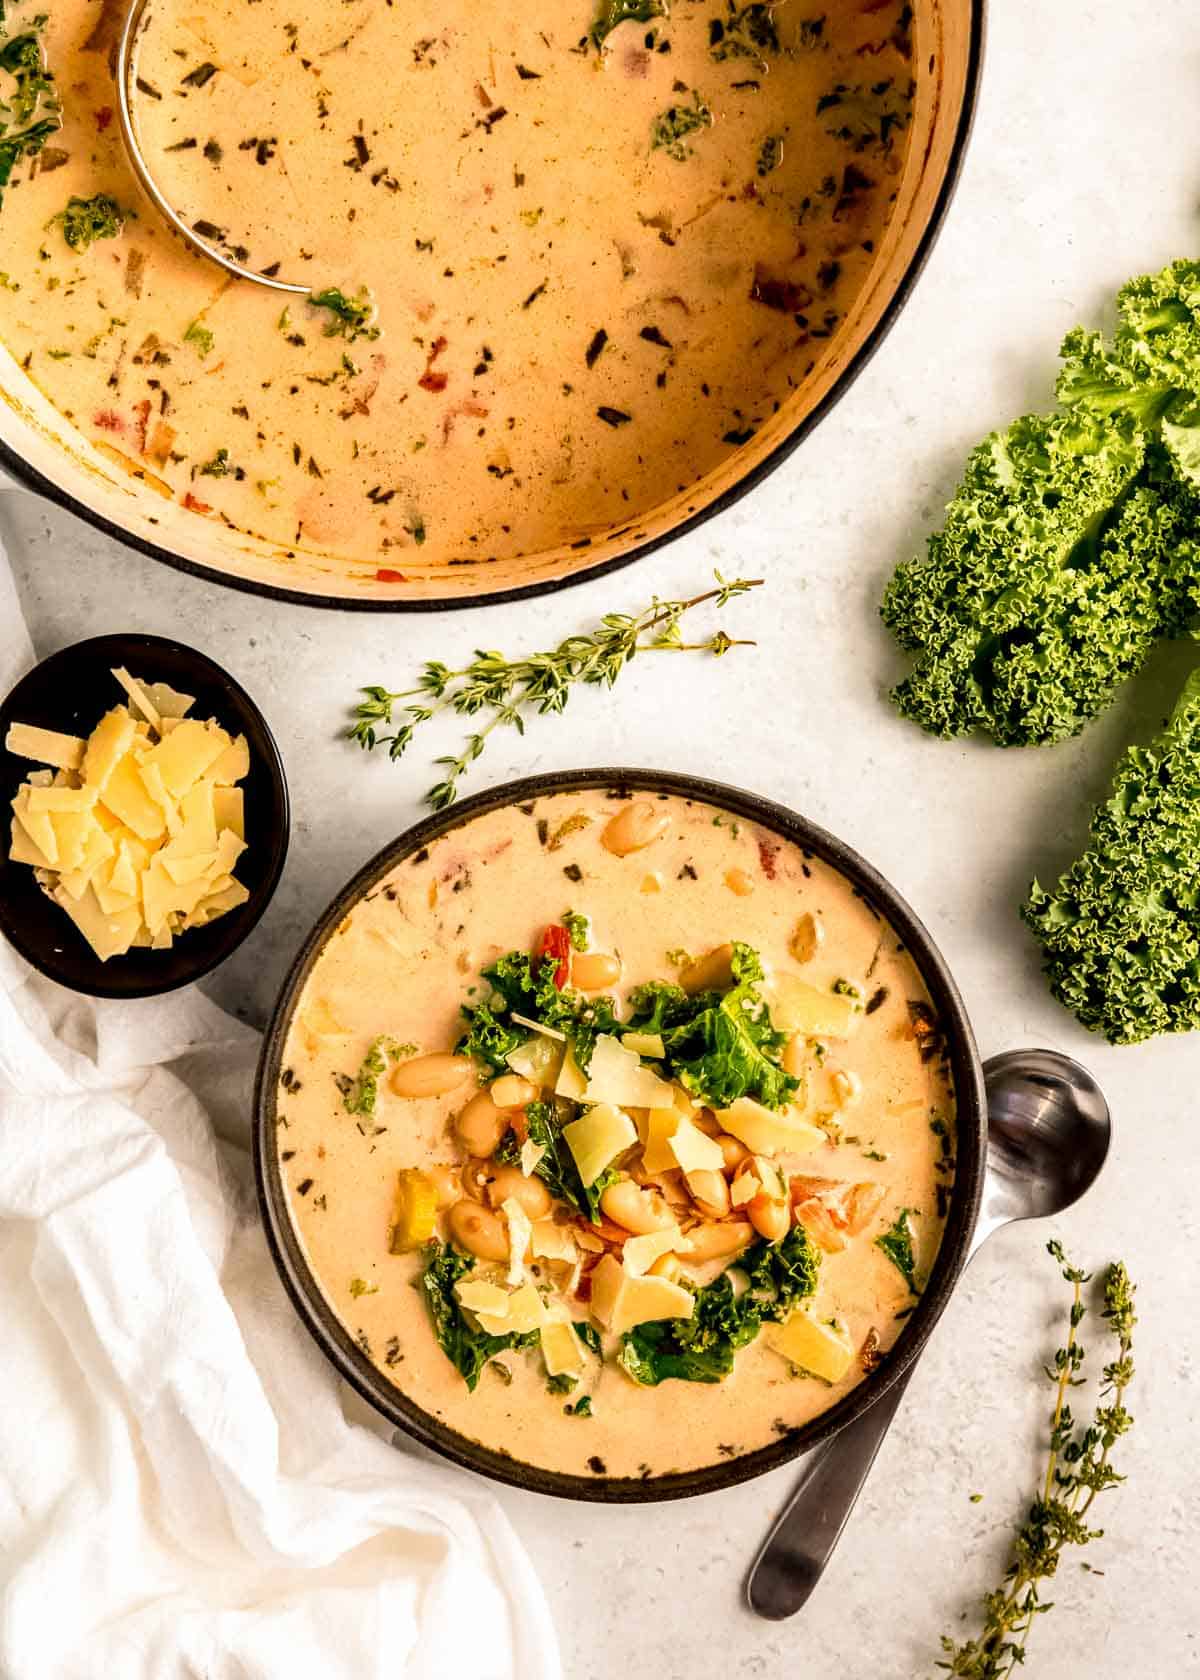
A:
(32, 479)
(251, 913)
(335, 1341)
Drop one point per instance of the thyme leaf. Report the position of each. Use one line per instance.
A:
(1078, 1469)
(507, 690)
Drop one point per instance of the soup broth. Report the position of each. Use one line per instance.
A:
(588, 262)
(844, 1056)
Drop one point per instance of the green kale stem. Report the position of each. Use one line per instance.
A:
(1078, 1468)
(537, 682)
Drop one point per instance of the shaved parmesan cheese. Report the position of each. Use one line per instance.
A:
(824, 1350)
(571, 1081)
(644, 1044)
(561, 1349)
(620, 1301)
(169, 703)
(229, 809)
(520, 1232)
(186, 753)
(660, 1128)
(23, 849)
(616, 1076)
(139, 697)
(37, 826)
(550, 1241)
(692, 1150)
(797, 1007)
(531, 1154)
(639, 1253)
(107, 745)
(597, 1138)
(499, 1312)
(45, 746)
(538, 1059)
(766, 1131)
(744, 1188)
(61, 798)
(126, 797)
(109, 936)
(233, 764)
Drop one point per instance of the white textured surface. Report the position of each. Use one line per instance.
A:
(1084, 169)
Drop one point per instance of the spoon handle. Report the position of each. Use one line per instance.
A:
(795, 1552)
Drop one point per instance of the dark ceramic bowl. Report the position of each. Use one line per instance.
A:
(71, 691)
(337, 1344)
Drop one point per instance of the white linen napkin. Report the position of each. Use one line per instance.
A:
(181, 1492)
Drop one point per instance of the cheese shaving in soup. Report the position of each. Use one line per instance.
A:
(566, 258)
(703, 1234)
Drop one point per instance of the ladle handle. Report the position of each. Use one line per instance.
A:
(795, 1552)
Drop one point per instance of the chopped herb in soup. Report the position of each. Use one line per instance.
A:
(563, 261)
(691, 1125)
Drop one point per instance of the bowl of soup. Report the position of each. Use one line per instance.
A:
(588, 272)
(619, 1134)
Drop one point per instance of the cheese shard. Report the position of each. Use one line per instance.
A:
(572, 1081)
(638, 1254)
(823, 1349)
(187, 753)
(61, 798)
(531, 1154)
(45, 746)
(232, 764)
(168, 701)
(499, 1311)
(229, 809)
(661, 1124)
(621, 1302)
(645, 1044)
(126, 797)
(538, 1059)
(138, 696)
(107, 745)
(797, 1007)
(109, 936)
(551, 1241)
(561, 1349)
(597, 1138)
(616, 1076)
(37, 825)
(692, 1150)
(767, 1131)
(520, 1233)
(23, 849)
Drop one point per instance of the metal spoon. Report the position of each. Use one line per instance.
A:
(126, 78)
(1048, 1135)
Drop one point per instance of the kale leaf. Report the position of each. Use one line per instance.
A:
(1120, 933)
(556, 1167)
(467, 1349)
(526, 986)
(1072, 543)
(702, 1348)
(349, 318)
(719, 1046)
(672, 129)
(897, 1243)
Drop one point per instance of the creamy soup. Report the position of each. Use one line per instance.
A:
(681, 1184)
(580, 260)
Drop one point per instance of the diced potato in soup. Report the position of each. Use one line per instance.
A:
(702, 1245)
(573, 264)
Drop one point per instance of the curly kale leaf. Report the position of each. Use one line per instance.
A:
(719, 1046)
(1071, 544)
(467, 1349)
(556, 1167)
(702, 1348)
(526, 985)
(1120, 933)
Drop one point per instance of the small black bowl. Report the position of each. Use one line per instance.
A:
(347, 1357)
(71, 691)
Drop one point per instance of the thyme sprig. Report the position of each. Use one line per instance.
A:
(1078, 1469)
(537, 682)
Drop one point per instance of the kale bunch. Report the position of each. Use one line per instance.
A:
(467, 1348)
(1072, 543)
(1120, 933)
